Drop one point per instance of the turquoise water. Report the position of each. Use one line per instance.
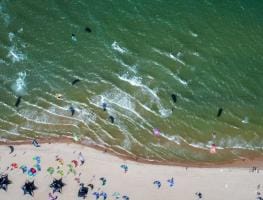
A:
(208, 53)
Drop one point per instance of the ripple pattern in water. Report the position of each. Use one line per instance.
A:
(134, 56)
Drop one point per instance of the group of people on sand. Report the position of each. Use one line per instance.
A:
(57, 184)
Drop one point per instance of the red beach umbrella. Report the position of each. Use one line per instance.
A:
(75, 162)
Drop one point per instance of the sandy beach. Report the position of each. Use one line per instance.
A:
(107, 173)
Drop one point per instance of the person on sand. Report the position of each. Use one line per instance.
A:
(81, 159)
(51, 197)
(35, 143)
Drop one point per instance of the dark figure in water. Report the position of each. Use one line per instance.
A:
(111, 119)
(104, 105)
(219, 112)
(73, 37)
(174, 98)
(72, 110)
(75, 81)
(87, 29)
(18, 101)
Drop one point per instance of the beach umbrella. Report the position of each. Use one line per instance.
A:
(96, 194)
(91, 186)
(29, 188)
(37, 159)
(32, 172)
(14, 166)
(50, 170)
(125, 167)
(61, 161)
(4, 182)
(103, 180)
(171, 182)
(103, 195)
(83, 191)
(24, 168)
(57, 185)
(199, 194)
(71, 170)
(38, 167)
(75, 163)
(156, 131)
(125, 197)
(117, 195)
(60, 172)
(157, 183)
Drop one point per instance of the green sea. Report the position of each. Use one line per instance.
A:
(131, 56)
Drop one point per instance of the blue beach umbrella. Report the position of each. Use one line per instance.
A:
(157, 183)
(96, 194)
(125, 167)
(171, 182)
(103, 195)
(117, 195)
(125, 197)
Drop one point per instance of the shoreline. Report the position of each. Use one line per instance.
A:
(235, 163)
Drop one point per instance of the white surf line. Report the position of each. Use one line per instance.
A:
(61, 108)
(49, 112)
(135, 113)
(8, 122)
(169, 72)
(87, 125)
(122, 115)
(169, 55)
(40, 132)
(134, 99)
(9, 132)
(31, 120)
(96, 136)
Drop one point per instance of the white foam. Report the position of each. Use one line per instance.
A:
(245, 120)
(11, 36)
(196, 54)
(137, 81)
(177, 57)
(15, 55)
(193, 34)
(183, 82)
(116, 47)
(134, 81)
(173, 138)
(198, 145)
(119, 98)
(165, 112)
(132, 68)
(19, 87)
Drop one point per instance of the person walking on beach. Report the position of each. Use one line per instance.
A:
(81, 158)
(51, 197)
